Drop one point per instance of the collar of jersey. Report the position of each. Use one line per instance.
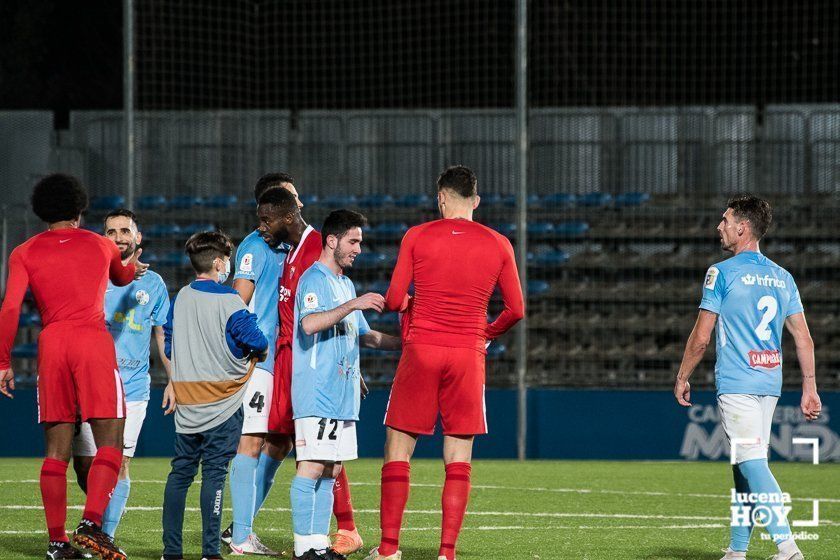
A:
(211, 287)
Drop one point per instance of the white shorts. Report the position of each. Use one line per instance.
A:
(135, 414)
(256, 403)
(747, 418)
(322, 439)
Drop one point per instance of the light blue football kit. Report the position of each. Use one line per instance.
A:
(752, 297)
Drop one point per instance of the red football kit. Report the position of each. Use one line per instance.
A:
(67, 271)
(297, 262)
(455, 265)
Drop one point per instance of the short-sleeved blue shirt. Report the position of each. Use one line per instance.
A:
(752, 297)
(325, 365)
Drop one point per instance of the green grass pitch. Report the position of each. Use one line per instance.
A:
(534, 510)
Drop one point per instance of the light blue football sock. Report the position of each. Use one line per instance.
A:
(740, 532)
(761, 481)
(323, 506)
(266, 468)
(302, 494)
(116, 506)
(242, 490)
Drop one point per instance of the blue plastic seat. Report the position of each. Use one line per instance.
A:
(505, 228)
(308, 199)
(370, 259)
(339, 201)
(151, 202)
(538, 287)
(551, 259)
(631, 199)
(594, 200)
(158, 231)
(190, 229)
(540, 229)
(532, 201)
(388, 231)
(184, 202)
(496, 350)
(25, 351)
(492, 199)
(221, 201)
(571, 229)
(31, 319)
(149, 257)
(376, 201)
(559, 200)
(107, 202)
(379, 287)
(414, 201)
(175, 258)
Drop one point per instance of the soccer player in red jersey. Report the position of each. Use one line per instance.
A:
(281, 222)
(454, 264)
(67, 270)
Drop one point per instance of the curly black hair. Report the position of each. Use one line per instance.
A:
(59, 197)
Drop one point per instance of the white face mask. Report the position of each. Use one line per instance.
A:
(223, 276)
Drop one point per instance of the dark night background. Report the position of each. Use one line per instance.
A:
(301, 54)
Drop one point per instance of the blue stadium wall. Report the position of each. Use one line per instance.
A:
(620, 425)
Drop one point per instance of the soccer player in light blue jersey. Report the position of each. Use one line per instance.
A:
(749, 298)
(133, 314)
(329, 327)
(259, 259)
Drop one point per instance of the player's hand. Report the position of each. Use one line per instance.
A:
(7, 382)
(139, 267)
(811, 405)
(168, 403)
(370, 300)
(682, 390)
(363, 388)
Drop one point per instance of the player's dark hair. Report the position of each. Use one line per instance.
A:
(459, 179)
(206, 246)
(752, 208)
(121, 212)
(270, 180)
(339, 222)
(59, 197)
(282, 200)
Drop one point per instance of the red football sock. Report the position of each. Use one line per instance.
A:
(54, 496)
(396, 476)
(456, 494)
(102, 478)
(342, 504)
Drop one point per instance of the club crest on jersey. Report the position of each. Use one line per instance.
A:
(765, 281)
(769, 359)
(142, 297)
(247, 263)
(310, 301)
(711, 278)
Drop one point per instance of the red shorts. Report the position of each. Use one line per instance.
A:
(280, 416)
(435, 379)
(78, 375)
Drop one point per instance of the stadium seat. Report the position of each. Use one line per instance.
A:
(378, 286)
(151, 202)
(492, 199)
(631, 199)
(388, 231)
(540, 230)
(385, 320)
(107, 202)
(159, 231)
(175, 258)
(533, 201)
(336, 201)
(309, 199)
(222, 201)
(496, 350)
(25, 351)
(571, 229)
(559, 200)
(370, 259)
(508, 229)
(376, 201)
(538, 287)
(31, 319)
(414, 201)
(551, 259)
(184, 202)
(594, 200)
(195, 228)
(149, 257)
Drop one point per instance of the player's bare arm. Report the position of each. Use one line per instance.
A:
(245, 288)
(168, 403)
(797, 326)
(317, 322)
(380, 340)
(696, 346)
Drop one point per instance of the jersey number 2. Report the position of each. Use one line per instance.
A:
(770, 306)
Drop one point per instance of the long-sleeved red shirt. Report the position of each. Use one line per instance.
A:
(455, 265)
(67, 271)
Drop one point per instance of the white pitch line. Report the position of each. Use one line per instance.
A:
(513, 489)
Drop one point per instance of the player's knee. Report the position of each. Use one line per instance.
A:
(278, 446)
(311, 469)
(332, 470)
(250, 445)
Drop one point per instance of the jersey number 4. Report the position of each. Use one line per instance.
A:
(258, 402)
(770, 306)
(323, 424)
